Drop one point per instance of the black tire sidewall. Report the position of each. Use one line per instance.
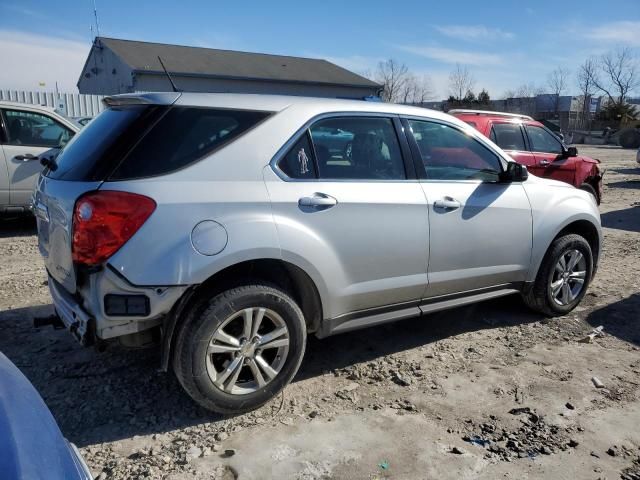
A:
(560, 247)
(197, 334)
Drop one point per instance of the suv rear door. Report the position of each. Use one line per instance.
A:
(29, 134)
(480, 228)
(364, 208)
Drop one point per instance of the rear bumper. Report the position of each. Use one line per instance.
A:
(84, 315)
(74, 317)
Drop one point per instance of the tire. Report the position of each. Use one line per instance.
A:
(589, 189)
(198, 360)
(346, 152)
(540, 297)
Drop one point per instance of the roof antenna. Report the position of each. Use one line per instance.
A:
(173, 85)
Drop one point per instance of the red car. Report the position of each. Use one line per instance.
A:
(532, 144)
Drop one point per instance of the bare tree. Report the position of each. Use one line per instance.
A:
(557, 81)
(393, 76)
(416, 90)
(527, 90)
(618, 75)
(586, 73)
(461, 82)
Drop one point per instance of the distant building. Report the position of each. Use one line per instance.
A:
(124, 66)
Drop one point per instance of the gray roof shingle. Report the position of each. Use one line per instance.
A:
(198, 61)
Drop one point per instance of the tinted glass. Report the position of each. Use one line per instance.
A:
(357, 148)
(543, 141)
(183, 136)
(33, 129)
(99, 147)
(450, 154)
(298, 162)
(508, 136)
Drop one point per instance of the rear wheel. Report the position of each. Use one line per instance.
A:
(563, 277)
(239, 349)
(589, 188)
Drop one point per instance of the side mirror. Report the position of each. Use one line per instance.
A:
(572, 152)
(515, 172)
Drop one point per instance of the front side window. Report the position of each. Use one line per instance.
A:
(358, 148)
(508, 136)
(451, 154)
(543, 141)
(35, 130)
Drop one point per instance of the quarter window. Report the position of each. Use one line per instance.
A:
(359, 148)
(36, 130)
(543, 141)
(299, 160)
(508, 136)
(450, 154)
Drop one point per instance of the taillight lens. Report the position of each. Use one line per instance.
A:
(104, 221)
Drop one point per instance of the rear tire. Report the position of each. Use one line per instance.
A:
(239, 349)
(589, 189)
(557, 290)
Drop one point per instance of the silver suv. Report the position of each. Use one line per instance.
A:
(230, 227)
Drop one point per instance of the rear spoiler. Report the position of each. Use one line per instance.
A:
(141, 99)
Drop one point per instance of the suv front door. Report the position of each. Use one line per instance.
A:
(368, 216)
(548, 151)
(29, 135)
(479, 228)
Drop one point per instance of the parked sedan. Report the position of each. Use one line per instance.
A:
(31, 444)
(26, 131)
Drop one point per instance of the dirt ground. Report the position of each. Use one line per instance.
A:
(487, 391)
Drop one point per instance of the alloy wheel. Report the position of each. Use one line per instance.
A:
(567, 280)
(247, 350)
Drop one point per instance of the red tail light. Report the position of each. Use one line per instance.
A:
(104, 221)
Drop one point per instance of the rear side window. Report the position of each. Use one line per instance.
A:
(508, 136)
(183, 136)
(362, 148)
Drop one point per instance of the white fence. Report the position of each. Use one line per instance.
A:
(69, 104)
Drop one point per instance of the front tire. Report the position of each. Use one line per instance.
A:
(563, 277)
(238, 350)
(589, 189)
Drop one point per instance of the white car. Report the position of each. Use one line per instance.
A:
(27, 131)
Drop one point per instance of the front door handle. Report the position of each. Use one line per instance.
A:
(318, 201)
(447, 203)
(544, 162)
(26, 157)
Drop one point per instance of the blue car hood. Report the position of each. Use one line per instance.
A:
(31, 444)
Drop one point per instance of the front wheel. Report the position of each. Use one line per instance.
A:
(239, 349)
(563, 277)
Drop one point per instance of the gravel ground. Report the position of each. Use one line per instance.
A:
(485, 391)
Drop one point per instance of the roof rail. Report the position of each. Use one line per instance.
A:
(489, 112)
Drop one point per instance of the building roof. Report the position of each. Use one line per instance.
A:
(181, 60)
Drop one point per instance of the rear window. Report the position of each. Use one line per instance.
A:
(146, 140)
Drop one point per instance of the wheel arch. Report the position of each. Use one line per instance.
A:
(583, 227)
(285, 275)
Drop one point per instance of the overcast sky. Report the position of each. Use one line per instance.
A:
(504, 43)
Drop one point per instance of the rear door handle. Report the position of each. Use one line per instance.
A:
(447, 203)
(26, 157)
(318, 201)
